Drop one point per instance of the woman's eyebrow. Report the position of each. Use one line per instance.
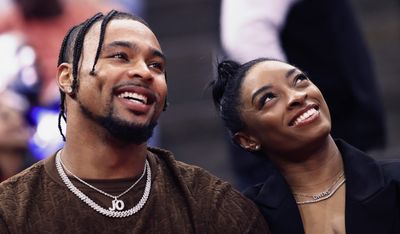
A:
(266, 87)
(262, 89)
(290, 72)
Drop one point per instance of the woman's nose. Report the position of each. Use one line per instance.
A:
(296, 98)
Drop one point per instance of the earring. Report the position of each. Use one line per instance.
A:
(257, 148)
(68, 90)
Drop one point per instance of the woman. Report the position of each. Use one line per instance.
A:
(316, 184)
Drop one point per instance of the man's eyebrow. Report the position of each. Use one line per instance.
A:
(262, 89)
(126, 44)
(158, 53)
(155, 52)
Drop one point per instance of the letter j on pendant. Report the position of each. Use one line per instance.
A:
(117, 205)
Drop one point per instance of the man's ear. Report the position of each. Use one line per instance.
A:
(64, 77)
(246, 141)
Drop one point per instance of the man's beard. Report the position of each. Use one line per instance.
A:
(120, 129)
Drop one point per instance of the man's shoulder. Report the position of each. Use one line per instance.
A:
(203, 186)
(167, 157)
(190, 174)
(21, 183)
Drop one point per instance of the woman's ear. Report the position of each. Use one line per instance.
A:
(64, 78)
(247, 142)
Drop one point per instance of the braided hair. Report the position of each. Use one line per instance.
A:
(226, 90)
(72, 45)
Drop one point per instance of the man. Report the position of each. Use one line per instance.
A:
(111, 75)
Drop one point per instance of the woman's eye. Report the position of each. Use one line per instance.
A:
(265, 99)
(299, 78)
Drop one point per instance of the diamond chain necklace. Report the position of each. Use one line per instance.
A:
(101, 191)
(322, 195)
(117, 204)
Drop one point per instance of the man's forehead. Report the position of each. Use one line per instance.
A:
(120, 25)
(121, 29)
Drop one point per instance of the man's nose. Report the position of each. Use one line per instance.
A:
(140, 69)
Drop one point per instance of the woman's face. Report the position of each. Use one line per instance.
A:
(282, 109)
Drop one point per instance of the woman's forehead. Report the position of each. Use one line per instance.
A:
(270, 67)
(266, 71)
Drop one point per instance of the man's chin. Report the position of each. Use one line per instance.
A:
(129, 132)
(120, 129)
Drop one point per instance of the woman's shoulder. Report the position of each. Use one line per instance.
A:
(390, 168)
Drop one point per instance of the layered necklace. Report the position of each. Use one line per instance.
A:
(117, 204)
(302, 198)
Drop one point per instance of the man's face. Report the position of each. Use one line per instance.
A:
(128, 91)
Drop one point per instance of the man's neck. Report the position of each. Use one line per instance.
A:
(92, 157)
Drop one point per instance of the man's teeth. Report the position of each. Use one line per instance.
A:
(305, 115)
(135, 97)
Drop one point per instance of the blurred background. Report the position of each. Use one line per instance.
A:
(189, 35)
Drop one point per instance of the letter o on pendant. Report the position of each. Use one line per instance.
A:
(119, 204)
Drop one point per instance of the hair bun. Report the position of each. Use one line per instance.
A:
(226, 71)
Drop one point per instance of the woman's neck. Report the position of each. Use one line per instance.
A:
(316, 172)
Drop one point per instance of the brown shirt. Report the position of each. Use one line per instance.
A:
(183, 199)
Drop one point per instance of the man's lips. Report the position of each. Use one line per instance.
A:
(305, 115)
(136, 98)
(136, 94)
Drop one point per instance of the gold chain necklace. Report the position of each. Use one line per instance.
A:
(339, 181)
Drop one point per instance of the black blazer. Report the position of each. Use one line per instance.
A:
(372, 196)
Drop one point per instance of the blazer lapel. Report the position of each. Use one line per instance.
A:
(369, 205)
(276, 202)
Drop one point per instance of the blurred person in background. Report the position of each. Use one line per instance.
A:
(324, 39)
(43, 24)
(14, 135)
(18, 91)
(138, 7)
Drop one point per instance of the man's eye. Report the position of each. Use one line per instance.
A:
(122, 56)
(158, 66)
